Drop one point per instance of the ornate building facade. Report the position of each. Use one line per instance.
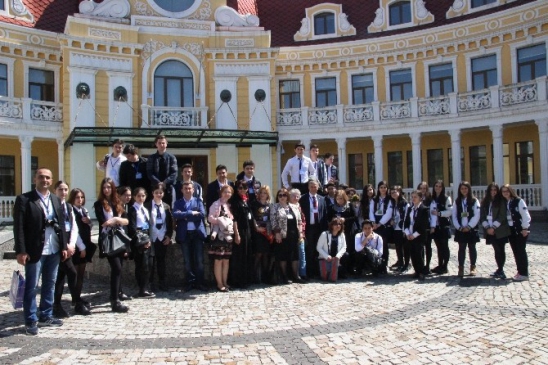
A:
(398, 90)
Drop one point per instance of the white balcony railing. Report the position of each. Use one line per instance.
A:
(29, 110)
(172, 117)
(6, 208)
(495, 98)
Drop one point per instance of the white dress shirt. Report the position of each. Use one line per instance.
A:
(297, 175)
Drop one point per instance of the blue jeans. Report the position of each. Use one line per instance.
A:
(193, 253)
(302, 260)
(47, 266)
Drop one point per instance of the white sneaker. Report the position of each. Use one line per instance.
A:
(519, 277)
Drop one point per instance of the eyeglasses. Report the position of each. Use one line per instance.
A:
(282, 195)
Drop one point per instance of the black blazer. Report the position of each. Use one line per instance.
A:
(168, 218)
(422, 222)
(304, 202)
(29, 225)
(153, 169)
(256, 186)
(212, 192)
(128, 176)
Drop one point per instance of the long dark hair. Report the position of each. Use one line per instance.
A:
(469, 197)
(381, 183)
(401, 197)
(114, 198)
(425, 196)
(364, 203)
(487, 198)
(442, 197)
(236, 199)
(73, 193)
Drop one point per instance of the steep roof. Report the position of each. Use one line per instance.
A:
(50, 15)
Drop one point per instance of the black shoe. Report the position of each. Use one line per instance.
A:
(123, 296)
(421, 277)
(118, 307)
(146, 294)
(80, 308)
(436, 270)
(188, 288)
(51, 321)
(82, 301)
(395, 267)
(31, 329)
(60, 312)
(299, 280)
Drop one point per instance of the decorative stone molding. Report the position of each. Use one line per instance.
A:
(228, 17)
(242, 69)
(150, 47)
(463, 7)
(419, 15)
(203, 12)
(105, 34)
(100, 62)
(342, 25)
(17, 8)
(153, 45)
(173, 23)
(107, 9)
(239, 43)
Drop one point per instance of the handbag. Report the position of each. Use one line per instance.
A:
(114, 241)
(17, 289)
(141, 238)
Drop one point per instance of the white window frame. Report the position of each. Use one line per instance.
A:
(313, 25)
(290, 76)
(403, 25)
(482, 53)
(362, 71)
(524, 44)
(9, 62)
(323, 75)
(42, 65)
(400, 66)
(439, 61)
(483, 7)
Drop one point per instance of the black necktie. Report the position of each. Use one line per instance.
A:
(158, 216)
(300, 166)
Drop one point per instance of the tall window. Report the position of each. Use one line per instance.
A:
(441, 79)
(524, 163)
(2, 5)
(401, 85)
(409, 157)
(355, 167)
(173, 85)
(395, 168)
(484, 72)
(478, 3)
(7, 175)
(435, 165)
(41, 85)
(478, 165)
(290, 94)
(371, 168)
(3, 77)
(400, 13)
(326, 92)
(450, 165)
(506, 161)
(362, 89)
(324, 23)
(531, 62)
(33, 168)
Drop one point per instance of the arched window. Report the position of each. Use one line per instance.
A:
(173, 85)
(400, 13)
(324, 23)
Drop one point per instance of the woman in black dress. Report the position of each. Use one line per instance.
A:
(262, 238)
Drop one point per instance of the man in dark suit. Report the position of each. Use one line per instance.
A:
(189, 212)
(133, 171)
(319, 165)
(162, 168)
(40, 244)
(332, 173)
(212, 192)
(253, 185)
(186, 175)
(416, 227)
(315, 212)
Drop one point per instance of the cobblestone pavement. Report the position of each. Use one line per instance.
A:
(387, 320)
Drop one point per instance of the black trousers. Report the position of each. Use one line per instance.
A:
(143, 267)
(417, 255)
(116, 263)
(402, 248)
(428, 250)
(303, 188)
(386, 234)
(159, 261)
(518, 244)
(312, 234)
(441, 239)
(66, 270)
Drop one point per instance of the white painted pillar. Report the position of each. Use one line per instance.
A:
(341, 145)
(61, 158)
(416, 153)
(498, 163)
(306, 142)
(455, 155)
(379, 173)
(26, 165)
(543, 144)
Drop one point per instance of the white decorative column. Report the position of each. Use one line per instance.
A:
(61, 158)
(26, 166)
(455, 156)
(341, 146)
(379, 173)
(498, 163)
(543, 144)
(306, 143)
(416, 153)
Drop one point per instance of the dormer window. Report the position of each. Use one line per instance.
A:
(400, 13)
(324, 23)
(478, 3)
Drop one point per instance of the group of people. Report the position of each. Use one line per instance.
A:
(312, 228)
